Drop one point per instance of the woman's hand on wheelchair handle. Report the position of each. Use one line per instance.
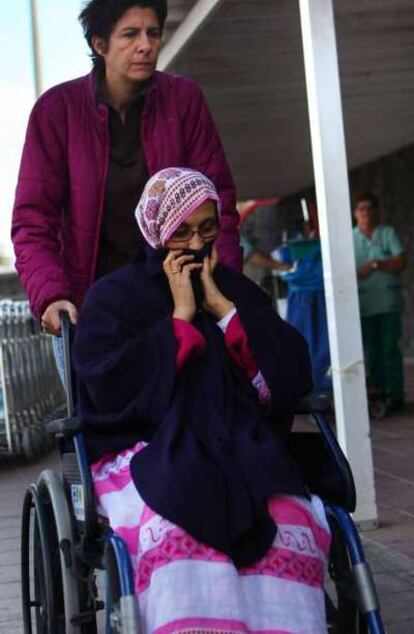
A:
(178, 268)
(50, 320)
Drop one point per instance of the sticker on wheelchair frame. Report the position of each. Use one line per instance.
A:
(76, 493)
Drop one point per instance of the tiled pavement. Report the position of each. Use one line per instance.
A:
(390, 548)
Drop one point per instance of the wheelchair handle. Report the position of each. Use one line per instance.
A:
(65, 332)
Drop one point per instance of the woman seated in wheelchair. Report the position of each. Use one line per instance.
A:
(187, 386)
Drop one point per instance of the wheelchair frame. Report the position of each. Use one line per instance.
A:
(63, 543)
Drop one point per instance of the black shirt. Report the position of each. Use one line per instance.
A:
(120, 237)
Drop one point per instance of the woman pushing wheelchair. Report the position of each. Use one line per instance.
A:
(188, 382)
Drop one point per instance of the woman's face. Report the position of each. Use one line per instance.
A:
(365, 215)
(132, 50)
(200, 228)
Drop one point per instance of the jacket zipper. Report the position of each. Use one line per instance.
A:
(101, 205)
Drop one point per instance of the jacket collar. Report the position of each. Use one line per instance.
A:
(98, 103)
(100, 109)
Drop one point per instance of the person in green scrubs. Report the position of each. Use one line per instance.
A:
(380, 259)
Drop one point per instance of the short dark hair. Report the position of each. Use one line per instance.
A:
(99, 17)
(367, 196)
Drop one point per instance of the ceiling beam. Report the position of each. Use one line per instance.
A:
(195, 20)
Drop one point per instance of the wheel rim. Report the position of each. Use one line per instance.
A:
(41, 611)
(44, 603)
(343, 614)
(47, 577)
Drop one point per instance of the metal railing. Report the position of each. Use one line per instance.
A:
(30, 385)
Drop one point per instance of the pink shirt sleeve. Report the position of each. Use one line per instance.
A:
(239, 349)
(190, 342)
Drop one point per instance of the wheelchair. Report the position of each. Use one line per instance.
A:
(64, 543)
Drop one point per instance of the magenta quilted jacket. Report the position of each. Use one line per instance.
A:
(61, 186)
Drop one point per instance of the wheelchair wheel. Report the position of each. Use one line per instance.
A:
(343, 613)
(54, 596)
(49, 606)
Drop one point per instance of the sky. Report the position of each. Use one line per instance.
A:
(64, 55)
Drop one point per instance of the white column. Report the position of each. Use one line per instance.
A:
(196, 18)
(332, 190)
(34, 23)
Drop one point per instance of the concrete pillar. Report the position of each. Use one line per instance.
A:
(332, 190)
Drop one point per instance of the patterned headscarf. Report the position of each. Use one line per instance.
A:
(169, 198)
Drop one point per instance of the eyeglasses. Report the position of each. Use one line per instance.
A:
(207, 230)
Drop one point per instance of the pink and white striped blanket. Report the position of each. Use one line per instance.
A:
(183, 586)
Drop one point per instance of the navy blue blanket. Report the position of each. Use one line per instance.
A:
(215, 453)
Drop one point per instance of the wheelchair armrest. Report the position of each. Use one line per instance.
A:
(315, 402)
(325, 470)
(67, 427)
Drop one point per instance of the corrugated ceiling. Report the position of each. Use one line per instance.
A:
(248, 59)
